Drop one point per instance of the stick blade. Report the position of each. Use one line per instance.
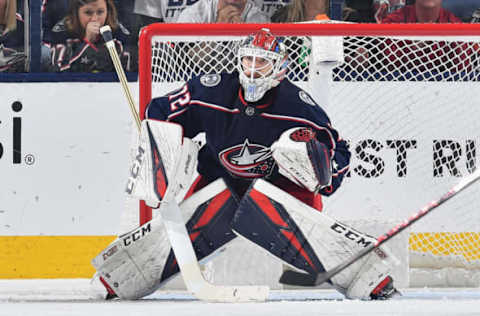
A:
(303, 279)
(297, 278)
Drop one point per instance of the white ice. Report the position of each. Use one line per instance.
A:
(75, 297)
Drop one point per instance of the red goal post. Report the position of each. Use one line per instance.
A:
(408, 153)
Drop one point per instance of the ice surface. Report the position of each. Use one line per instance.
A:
(76, 297)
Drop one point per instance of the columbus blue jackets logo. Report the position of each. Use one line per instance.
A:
(210, 80)
(248, 160)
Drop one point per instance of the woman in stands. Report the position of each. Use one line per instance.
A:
(301, 10)
(76, 43)
(11, 38)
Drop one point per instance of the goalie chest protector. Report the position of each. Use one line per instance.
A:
(239, 134)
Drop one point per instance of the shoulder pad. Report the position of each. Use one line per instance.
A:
(210, 80)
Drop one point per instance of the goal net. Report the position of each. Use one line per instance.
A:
(409, 106)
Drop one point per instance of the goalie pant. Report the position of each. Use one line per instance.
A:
(140, 262)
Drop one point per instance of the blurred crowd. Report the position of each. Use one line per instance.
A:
(71, 38)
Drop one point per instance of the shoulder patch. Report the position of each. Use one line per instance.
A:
(59, 26)
(210, 80)
(306, 98)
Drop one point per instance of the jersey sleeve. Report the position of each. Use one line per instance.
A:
(196, 13)
(398, 16)
(176, 107)
(310, 114)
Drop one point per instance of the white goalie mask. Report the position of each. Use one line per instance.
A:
(262, 64)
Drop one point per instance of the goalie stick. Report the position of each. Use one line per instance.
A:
(175, 224)
(303, 279)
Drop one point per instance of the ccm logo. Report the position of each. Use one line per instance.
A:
(136, 235)
(135, 170)
(350, 234)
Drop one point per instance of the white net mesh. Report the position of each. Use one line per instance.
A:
(410, 109)
(367, 58)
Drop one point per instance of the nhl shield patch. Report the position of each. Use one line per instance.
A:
(306, 98)
(210, 80)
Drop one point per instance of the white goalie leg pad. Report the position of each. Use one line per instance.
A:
(300, 159)
(337, 243)
(132, 265)
(178, 159)
(333, 243)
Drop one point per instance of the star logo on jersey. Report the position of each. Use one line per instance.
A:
(84, 60)
(248, 160)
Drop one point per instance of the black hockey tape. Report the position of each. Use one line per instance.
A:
(106, 34)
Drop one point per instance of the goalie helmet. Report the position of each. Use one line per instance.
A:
(262, 64)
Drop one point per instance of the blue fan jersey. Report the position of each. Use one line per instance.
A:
(239, 134)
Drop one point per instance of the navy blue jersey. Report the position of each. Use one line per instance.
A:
(238, 134)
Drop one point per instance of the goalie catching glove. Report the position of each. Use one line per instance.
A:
(303, 159)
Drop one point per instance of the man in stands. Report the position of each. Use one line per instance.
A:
(269, 7)
(223, 11)
(152, 11)
(261, 127)
(155, 11)
(422, 11)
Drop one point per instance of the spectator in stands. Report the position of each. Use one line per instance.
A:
(475, 16)
(223, 11)
(146, 12)
(427, 58)
(300, 10)
(359, 11)
(269, 7)
(423, 11)
(153, 11)
(464, 9)
(11, 38)
(54, 10)
(382, 8)
(76, 42)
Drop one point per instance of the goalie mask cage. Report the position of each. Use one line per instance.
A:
(406, 97)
